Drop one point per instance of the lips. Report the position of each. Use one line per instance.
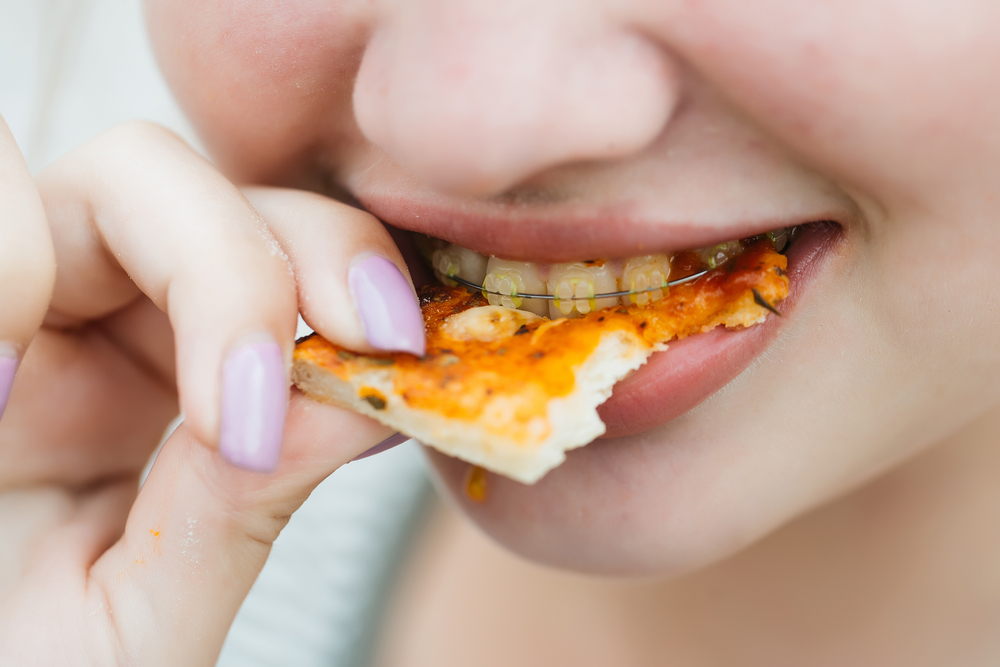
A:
(690, 370)
(569, 233)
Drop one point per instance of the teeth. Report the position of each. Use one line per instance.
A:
(455, 260)
(574, 286)
(779, 238)
(642, 273)
(717, 255)
(511, 279)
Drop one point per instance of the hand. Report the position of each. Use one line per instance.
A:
(170, 283)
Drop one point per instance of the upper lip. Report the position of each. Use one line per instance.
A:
(564, 233)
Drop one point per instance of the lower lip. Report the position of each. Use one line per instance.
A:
(679, 378)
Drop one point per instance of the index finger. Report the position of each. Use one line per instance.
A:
(27, 262)
(136, 212)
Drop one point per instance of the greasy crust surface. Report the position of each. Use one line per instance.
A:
(514, 404)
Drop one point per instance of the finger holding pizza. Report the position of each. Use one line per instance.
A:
(172, 290)
(142, 223)
(27, 265)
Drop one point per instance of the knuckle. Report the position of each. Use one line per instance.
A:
(130, 144)
(142, 131)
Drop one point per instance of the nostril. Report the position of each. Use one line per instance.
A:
(478, 113)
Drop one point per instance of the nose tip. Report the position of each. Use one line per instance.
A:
(475, 110)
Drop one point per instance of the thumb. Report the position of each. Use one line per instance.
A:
(200, 532)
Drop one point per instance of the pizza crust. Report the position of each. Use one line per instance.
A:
(570, 421)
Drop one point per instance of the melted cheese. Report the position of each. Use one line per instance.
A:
(486, 323)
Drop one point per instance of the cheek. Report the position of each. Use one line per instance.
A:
(262, 82)
(937, 299)
(865, 90)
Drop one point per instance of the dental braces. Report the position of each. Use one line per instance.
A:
(553, 297)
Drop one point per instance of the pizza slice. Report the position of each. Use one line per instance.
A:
(510, 391)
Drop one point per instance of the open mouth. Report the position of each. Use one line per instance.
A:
(518, 363)
(673, 381)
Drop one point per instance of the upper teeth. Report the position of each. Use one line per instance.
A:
(779, 238)
(455, 260)
(644, 273)
(719, 254)
(574, 285)
(505, 280)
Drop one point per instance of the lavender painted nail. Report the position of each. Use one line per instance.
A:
(389, 312)
(392, 441)
(254, 397)
(8, 365)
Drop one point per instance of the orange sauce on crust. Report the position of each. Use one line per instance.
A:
(460, 379)
(475, 484)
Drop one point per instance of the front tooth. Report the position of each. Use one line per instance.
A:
(455, 260)
(717, 255)
(509, 279)
(641, 274)
(574, 286)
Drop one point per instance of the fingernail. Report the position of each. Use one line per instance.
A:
(389, 312)
(8, 365)
(388, 443)
(254, 397)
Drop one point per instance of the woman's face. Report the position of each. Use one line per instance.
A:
(573, 129)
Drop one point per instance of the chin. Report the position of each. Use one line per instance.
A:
(655, 504)
(616, 507)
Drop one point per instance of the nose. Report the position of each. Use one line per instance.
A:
(473, 97)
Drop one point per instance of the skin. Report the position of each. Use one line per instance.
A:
(132, 326)
(736, 117)
(546, 133)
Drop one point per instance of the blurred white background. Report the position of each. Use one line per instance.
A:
(70, 69)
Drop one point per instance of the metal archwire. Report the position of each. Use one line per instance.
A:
(553, 297)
